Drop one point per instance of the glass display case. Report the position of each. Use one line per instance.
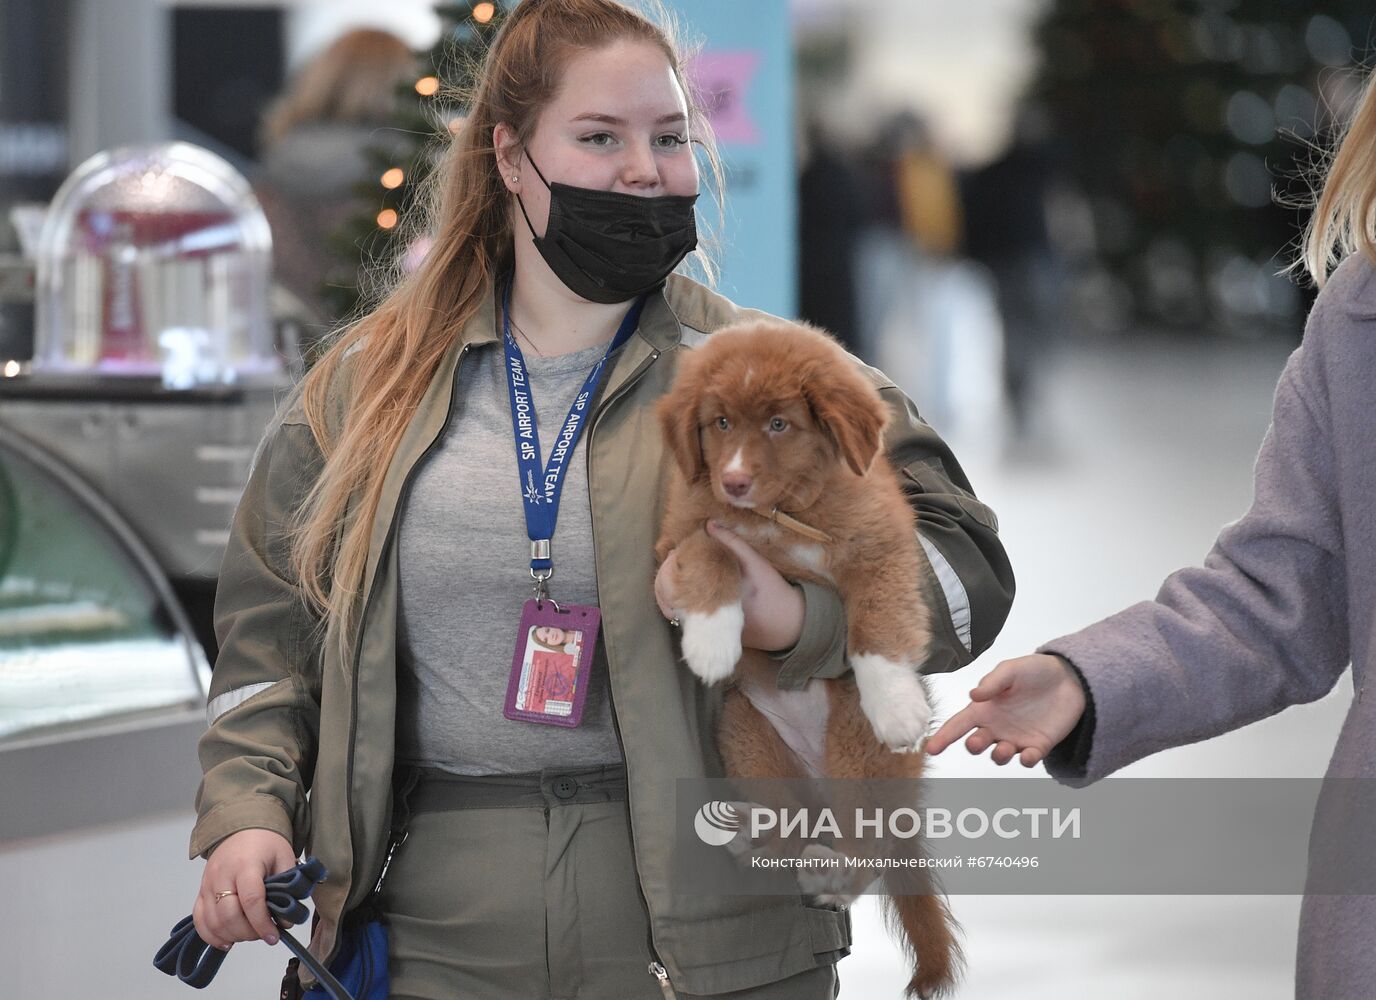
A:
(155, 367)
(89, 630)
(155, 260)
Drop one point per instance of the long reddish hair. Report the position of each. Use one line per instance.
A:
(402, 340)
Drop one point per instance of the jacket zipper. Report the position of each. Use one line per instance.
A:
(656, 967)
(367, 603)
(658, 972)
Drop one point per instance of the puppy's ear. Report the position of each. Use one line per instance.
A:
(848, 409)
(678, 422)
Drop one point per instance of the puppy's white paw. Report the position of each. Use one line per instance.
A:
(742, 846)
(828, 880)
(893, 699)
(712, 641)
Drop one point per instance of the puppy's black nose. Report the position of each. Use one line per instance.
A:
(736, 484)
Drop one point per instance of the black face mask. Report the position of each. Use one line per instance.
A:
(610, 247)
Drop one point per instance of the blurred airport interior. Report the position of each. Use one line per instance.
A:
(1063, 227)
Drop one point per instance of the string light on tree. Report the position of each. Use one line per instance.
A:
(484, 12)
(387, 218)
(428, 86)
(393, 178)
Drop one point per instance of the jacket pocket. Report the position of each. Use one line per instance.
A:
(746, 950)
(830, 930)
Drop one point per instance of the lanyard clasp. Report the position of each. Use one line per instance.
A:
(541, 578)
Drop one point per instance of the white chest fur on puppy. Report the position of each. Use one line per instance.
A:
(813, 556)
(808, 554)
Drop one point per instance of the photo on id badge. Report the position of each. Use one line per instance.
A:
(549, 675)
(551, 668)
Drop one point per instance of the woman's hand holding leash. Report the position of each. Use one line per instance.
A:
(773, 607)
(232, 903)
(1022, 707)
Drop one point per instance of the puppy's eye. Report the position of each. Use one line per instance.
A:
(723, 424)
(778, 424)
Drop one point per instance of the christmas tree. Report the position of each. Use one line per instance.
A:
(1180, 123)
(428, 112)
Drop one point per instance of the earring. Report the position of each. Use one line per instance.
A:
(515, 178)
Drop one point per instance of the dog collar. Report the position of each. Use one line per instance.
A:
(792, 523)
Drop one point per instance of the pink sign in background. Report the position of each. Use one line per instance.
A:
(723, 80)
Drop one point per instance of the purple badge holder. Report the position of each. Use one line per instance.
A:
(552, 664)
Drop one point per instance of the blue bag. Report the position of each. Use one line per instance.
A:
(360, 965)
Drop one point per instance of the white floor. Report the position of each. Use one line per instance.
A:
(1151, 452)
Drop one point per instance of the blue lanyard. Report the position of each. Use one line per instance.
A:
(540, 491)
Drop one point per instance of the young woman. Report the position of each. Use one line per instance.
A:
(1284, 601)
(381, 561)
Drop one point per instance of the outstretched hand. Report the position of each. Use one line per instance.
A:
(1022, 708)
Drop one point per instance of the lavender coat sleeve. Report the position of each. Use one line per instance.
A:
(1260, 626)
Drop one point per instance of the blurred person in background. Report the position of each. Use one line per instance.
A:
(924, 188)
(1285, 600)
(1005, 205)
(831, 212)
(314, 142)
(911, 221)
(926, 315)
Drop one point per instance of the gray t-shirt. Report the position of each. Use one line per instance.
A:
(464, 560)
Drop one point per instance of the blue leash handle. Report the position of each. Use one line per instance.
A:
(195, 963)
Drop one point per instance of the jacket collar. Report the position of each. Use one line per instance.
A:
(659, 326)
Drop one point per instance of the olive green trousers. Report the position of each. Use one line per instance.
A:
(523, 887)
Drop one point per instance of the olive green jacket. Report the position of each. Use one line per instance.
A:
(288, 718)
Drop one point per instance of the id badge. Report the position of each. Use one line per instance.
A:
(553, 661)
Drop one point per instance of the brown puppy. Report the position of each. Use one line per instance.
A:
(777, 434)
